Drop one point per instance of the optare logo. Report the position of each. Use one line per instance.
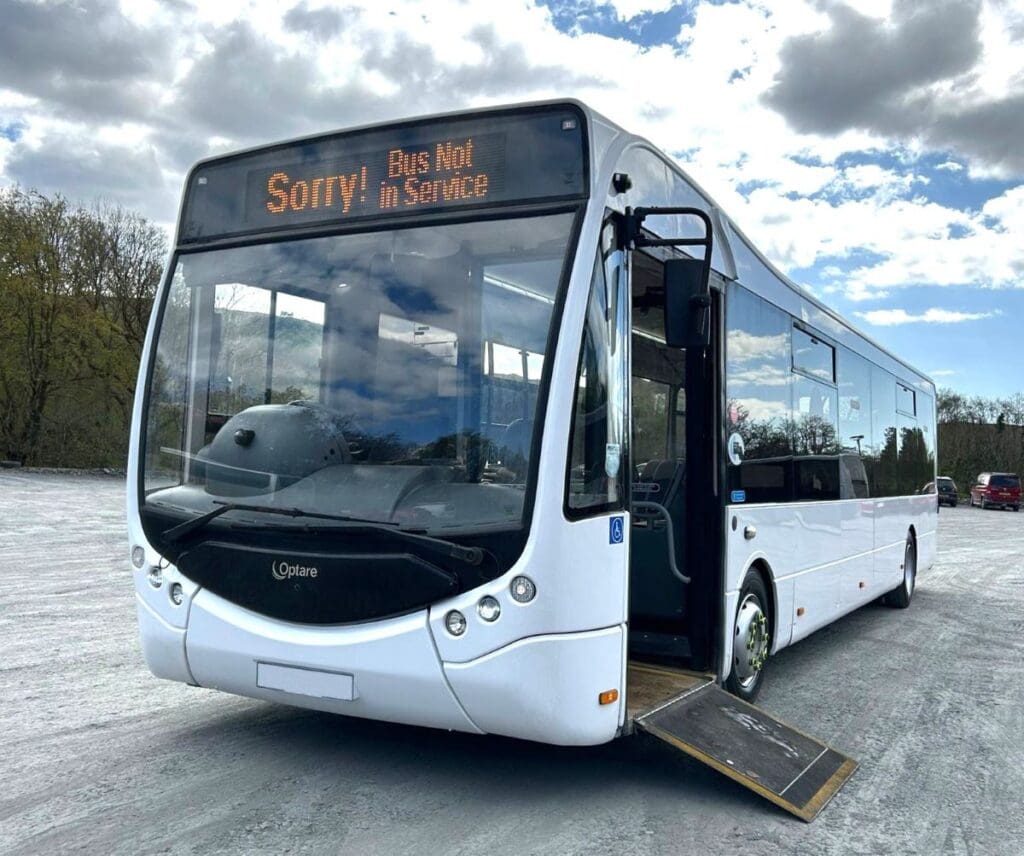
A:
(281, 570)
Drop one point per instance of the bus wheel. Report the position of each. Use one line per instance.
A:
(900, 596)
(751, 639)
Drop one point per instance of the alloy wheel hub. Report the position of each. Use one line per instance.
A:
(752, 638)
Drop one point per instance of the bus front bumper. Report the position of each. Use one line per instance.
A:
(543, 688)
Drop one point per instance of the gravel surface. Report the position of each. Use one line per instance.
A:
(97, 756)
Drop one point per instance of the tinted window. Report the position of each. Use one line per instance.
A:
(758, 391)
(815, 445)
(817, 478)
(813, 356)
(855, 433)
(853, 478)
(884, 476)
(814, 418)
(926, 422)
(1004, 481)
(913, 456)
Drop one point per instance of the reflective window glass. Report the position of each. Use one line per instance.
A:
(885, 481)
(392, 376)
(905, 400)
(813, 356)
(854, 381)
(758, 397)
(598, 452)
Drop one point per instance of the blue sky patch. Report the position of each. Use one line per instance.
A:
(12, 130)
(647, 29)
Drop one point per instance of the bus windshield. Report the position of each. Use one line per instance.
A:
(389, 376)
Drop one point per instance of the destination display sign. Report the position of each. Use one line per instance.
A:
(426, 167)
(460, 170)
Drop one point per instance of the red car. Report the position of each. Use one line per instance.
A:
(996, 489)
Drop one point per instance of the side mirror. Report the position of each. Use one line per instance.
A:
(687, 304)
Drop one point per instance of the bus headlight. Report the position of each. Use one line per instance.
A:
(522, 590)
(177, 594)
(156, 577)
(455, 623)
(488, 609)
(138, 556)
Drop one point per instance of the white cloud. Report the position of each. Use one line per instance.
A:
(240, 72)
(894, 317)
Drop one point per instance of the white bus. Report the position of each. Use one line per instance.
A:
(495, 422)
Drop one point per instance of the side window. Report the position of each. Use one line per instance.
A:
(855, 432)
(815, 440)
(814, 422)
(598, 455)
(812, 356)
(885, 481)
(758, 385)
(926, 420)
(905, 400)
(814, 417)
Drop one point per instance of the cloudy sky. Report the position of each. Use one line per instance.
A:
(874, 150)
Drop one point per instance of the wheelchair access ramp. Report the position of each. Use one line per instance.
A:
(783, 765)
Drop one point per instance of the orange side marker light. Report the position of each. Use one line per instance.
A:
(608, 697)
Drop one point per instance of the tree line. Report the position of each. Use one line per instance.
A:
(76, 289)
(978, 434)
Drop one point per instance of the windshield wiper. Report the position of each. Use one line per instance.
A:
(470, 555)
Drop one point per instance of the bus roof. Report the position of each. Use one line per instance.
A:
(769, 268)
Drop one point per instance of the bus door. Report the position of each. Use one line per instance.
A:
(676, 539)
(673, 560)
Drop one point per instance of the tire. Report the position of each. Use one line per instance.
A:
(899, 597)
(751, 638)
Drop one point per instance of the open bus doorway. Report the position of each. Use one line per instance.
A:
(674, 564)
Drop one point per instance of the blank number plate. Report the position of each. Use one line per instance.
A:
(307, 682)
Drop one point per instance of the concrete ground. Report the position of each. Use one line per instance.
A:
(96, 756)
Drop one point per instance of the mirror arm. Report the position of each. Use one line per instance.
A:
(633, 233)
